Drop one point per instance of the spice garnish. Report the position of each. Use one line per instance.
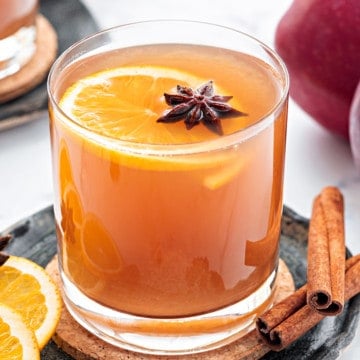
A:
(200, 105)
(4, 240)
(326, 253)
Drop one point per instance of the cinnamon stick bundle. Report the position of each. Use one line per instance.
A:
(293, 317)
(326, 253)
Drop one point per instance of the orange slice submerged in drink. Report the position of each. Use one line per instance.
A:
(99, 251)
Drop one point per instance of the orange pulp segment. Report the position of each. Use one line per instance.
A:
(17, 340)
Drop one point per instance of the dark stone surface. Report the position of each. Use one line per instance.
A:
(72, 22)
(35, 238)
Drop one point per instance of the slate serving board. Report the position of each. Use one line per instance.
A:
(72, 21)
(34, 238)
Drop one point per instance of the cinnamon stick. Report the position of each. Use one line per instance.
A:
(326, 253)
(283, 310)
(3, 258)
(4, 240)
(286, 322)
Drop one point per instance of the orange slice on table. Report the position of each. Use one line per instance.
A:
(28, 289)
(17, 340)
(125, 103)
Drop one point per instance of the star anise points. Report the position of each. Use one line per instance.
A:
(200, 105)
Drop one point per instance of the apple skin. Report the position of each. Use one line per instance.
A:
(319, 42)
(355, 126)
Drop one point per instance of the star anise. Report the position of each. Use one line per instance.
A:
(4, 240)
(200, 105)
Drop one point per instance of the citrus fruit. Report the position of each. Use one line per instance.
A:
(28, 289)
(98, 248)
(125, 103)
(223, 175)
(71, 213)
(17, 340)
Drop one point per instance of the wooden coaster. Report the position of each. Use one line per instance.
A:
(73, 339)
(35, 71)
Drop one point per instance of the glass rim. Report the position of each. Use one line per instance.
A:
(145, 148)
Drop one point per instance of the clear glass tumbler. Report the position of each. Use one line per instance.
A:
(168, 232)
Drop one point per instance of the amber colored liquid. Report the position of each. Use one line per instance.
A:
(173, 236)
(15, 14)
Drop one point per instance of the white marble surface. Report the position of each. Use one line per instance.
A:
(314, 158)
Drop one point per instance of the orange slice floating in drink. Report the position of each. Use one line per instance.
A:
(125, 103)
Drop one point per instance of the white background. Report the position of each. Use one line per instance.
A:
(314, 159)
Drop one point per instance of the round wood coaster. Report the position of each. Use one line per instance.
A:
(73, 339)
(34, 72)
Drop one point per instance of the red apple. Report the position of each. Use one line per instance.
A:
(355, 126)
(319, 40)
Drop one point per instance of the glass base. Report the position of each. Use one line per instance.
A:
(16, 50)
(174, 336)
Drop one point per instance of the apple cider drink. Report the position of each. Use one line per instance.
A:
(168, 202)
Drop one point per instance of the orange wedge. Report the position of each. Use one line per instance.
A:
(28, 289)
(17, 340)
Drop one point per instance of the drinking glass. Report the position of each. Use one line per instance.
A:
(17, 34)
(168, 239)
